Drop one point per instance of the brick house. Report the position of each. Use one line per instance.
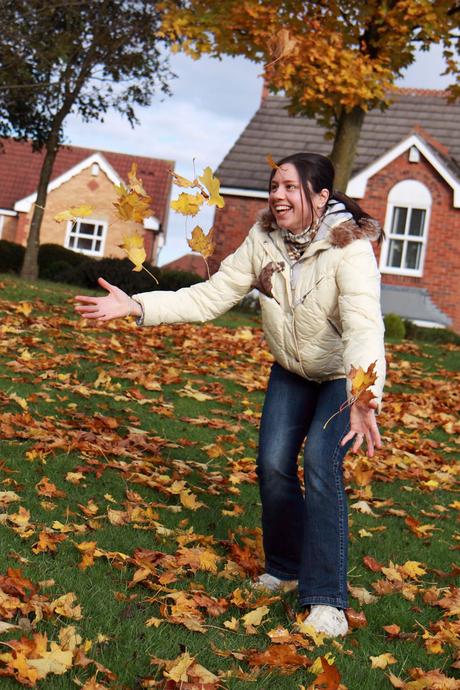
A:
(192, 263)
(406, 174)
(80, 176)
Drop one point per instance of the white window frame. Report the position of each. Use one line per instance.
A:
(101, 239)
(408, 194)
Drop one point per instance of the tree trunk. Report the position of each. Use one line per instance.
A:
(345, 145)
(29, 269)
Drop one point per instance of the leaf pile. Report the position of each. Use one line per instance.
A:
(130, 514)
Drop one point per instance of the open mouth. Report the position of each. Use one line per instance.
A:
(282, 209)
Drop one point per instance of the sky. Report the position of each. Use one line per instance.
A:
(212, 102)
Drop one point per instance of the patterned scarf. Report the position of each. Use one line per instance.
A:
(297, 244)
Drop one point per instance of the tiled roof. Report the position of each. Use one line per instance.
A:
(20, 170)
(193, 263)
(273, 131)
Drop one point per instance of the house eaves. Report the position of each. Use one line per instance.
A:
(357, 185)
(25, 204)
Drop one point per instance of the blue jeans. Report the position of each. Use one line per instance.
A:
(305, 537)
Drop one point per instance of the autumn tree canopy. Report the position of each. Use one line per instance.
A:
(61, 58)
(334, 59)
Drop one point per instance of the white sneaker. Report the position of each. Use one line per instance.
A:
(328, 620)
(274, 584)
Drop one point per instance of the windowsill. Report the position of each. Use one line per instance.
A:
(401, 272)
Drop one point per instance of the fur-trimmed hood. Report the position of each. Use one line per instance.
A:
(337, 225)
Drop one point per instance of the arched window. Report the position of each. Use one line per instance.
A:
(406, 229)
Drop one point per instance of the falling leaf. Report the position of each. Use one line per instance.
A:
(134, 247)
(182, 181)
(73, 213)
(134, 182)
(271, 162)
(212, 184)
(202, 243)
(187, 204)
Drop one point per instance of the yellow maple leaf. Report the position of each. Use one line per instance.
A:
(189, 500)
(187, 204)
(130, 205)
(134, 182)
(413, 569)
(254, 617)
(178, 671)
(74, 212)
(64, 606)
(202, 243)
(134, 247)
(55, 661)
(212, 184)
(383, 660)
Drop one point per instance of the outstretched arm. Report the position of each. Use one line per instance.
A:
(114, 305)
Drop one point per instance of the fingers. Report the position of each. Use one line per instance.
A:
(104, 284)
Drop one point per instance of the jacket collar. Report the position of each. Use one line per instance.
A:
(337, 229)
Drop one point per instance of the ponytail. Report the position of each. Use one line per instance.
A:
(359, 215)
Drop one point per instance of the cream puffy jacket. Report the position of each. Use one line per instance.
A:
(321, 315)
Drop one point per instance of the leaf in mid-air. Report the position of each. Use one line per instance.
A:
(74, 212)
(188, 204)
(202, 243)
(134, 247)
(212, 184)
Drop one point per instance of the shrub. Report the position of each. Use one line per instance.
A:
(430, 335)
(394, 326)
(11, 257)
(174, 280)
(49, 254)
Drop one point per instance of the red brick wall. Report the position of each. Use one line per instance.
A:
(231, 225)
(442, 258)
(441, 270)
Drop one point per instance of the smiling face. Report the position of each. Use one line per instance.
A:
(288, 201)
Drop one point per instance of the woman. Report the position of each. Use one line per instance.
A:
(310, 256)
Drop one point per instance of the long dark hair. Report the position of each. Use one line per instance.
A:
(316, 172)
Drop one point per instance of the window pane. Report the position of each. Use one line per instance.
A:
(87, 228)
(85, 244)
(71, 241)
(398, 222)
(99, 230)
(417, 221)
(97, 246)
(395, 253)
(413, 253)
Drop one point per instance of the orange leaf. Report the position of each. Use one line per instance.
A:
(271, 162)
(329, 679)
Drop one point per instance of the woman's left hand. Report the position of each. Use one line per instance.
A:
(363, 425)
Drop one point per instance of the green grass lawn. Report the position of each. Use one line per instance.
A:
(149, 438)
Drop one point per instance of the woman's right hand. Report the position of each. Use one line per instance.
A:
(114, 305)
